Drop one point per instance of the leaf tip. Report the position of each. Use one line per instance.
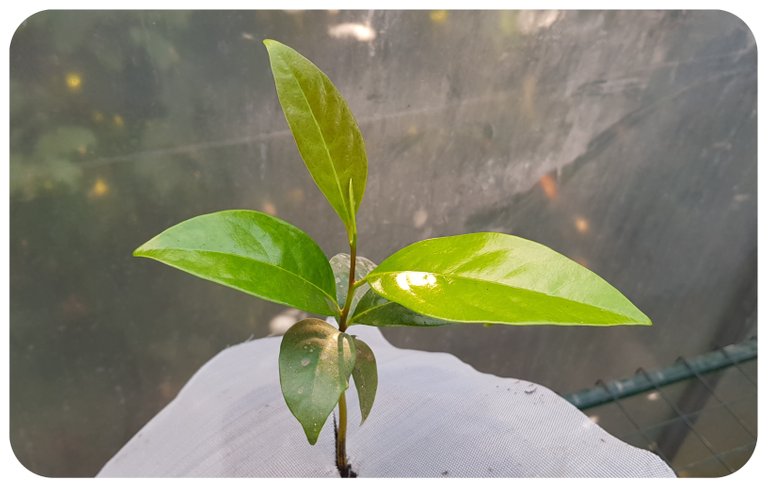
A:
(312, 437)
(645, 320)
(637, 316)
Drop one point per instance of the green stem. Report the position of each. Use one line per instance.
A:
(341, 438)
(351, 287)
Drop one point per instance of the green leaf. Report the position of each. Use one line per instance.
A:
(373, 309)
(315, 361)
(252, 252)
(325, 130)
(365, 376)
(340, 266)
(498, 278)
(368, 308)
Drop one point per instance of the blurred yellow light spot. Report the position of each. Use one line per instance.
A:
(549, 185)
(97, 117)
(351, 30)
(99, 188)
(296, 196)
(118, 120)
(582, 225)
(438, 16)
(82, 150)
(269, 208)
(420, 218)
(412, 130)
(167, 389)
(74, 81)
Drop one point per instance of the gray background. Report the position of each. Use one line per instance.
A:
(625, 140)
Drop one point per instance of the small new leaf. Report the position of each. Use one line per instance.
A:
(316, 361)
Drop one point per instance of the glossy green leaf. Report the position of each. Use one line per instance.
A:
(374, 309)
(366, 377)
(252, 252)
(316, 361)
(325, 130)
(340, 266)
(367, 307)
(498, 278)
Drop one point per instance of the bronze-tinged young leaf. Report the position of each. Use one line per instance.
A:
(316, 361)
(366, 377)
(324, 128)
(252, 252)
(490, 277)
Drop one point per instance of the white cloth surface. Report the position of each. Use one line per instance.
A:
(434, 416)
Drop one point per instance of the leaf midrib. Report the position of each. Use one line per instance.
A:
(391, 302)
(462, 277)
(240, 256)
(320, 130)
(370, 309)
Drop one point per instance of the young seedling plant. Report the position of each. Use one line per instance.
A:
(485, 277)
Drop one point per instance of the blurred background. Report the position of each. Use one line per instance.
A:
(624, 140)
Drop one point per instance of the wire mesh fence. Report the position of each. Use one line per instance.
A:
(698, 414)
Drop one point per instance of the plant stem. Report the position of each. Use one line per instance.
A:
(341, 439)
(341, 435)
(351, 287)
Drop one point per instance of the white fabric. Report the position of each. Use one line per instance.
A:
(434, 416)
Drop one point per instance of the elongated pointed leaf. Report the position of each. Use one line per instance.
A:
(373, 309)
(252, 252)
(316, 361)
(340, 266)
(325, 130)
(497, 278)
(366, 377)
